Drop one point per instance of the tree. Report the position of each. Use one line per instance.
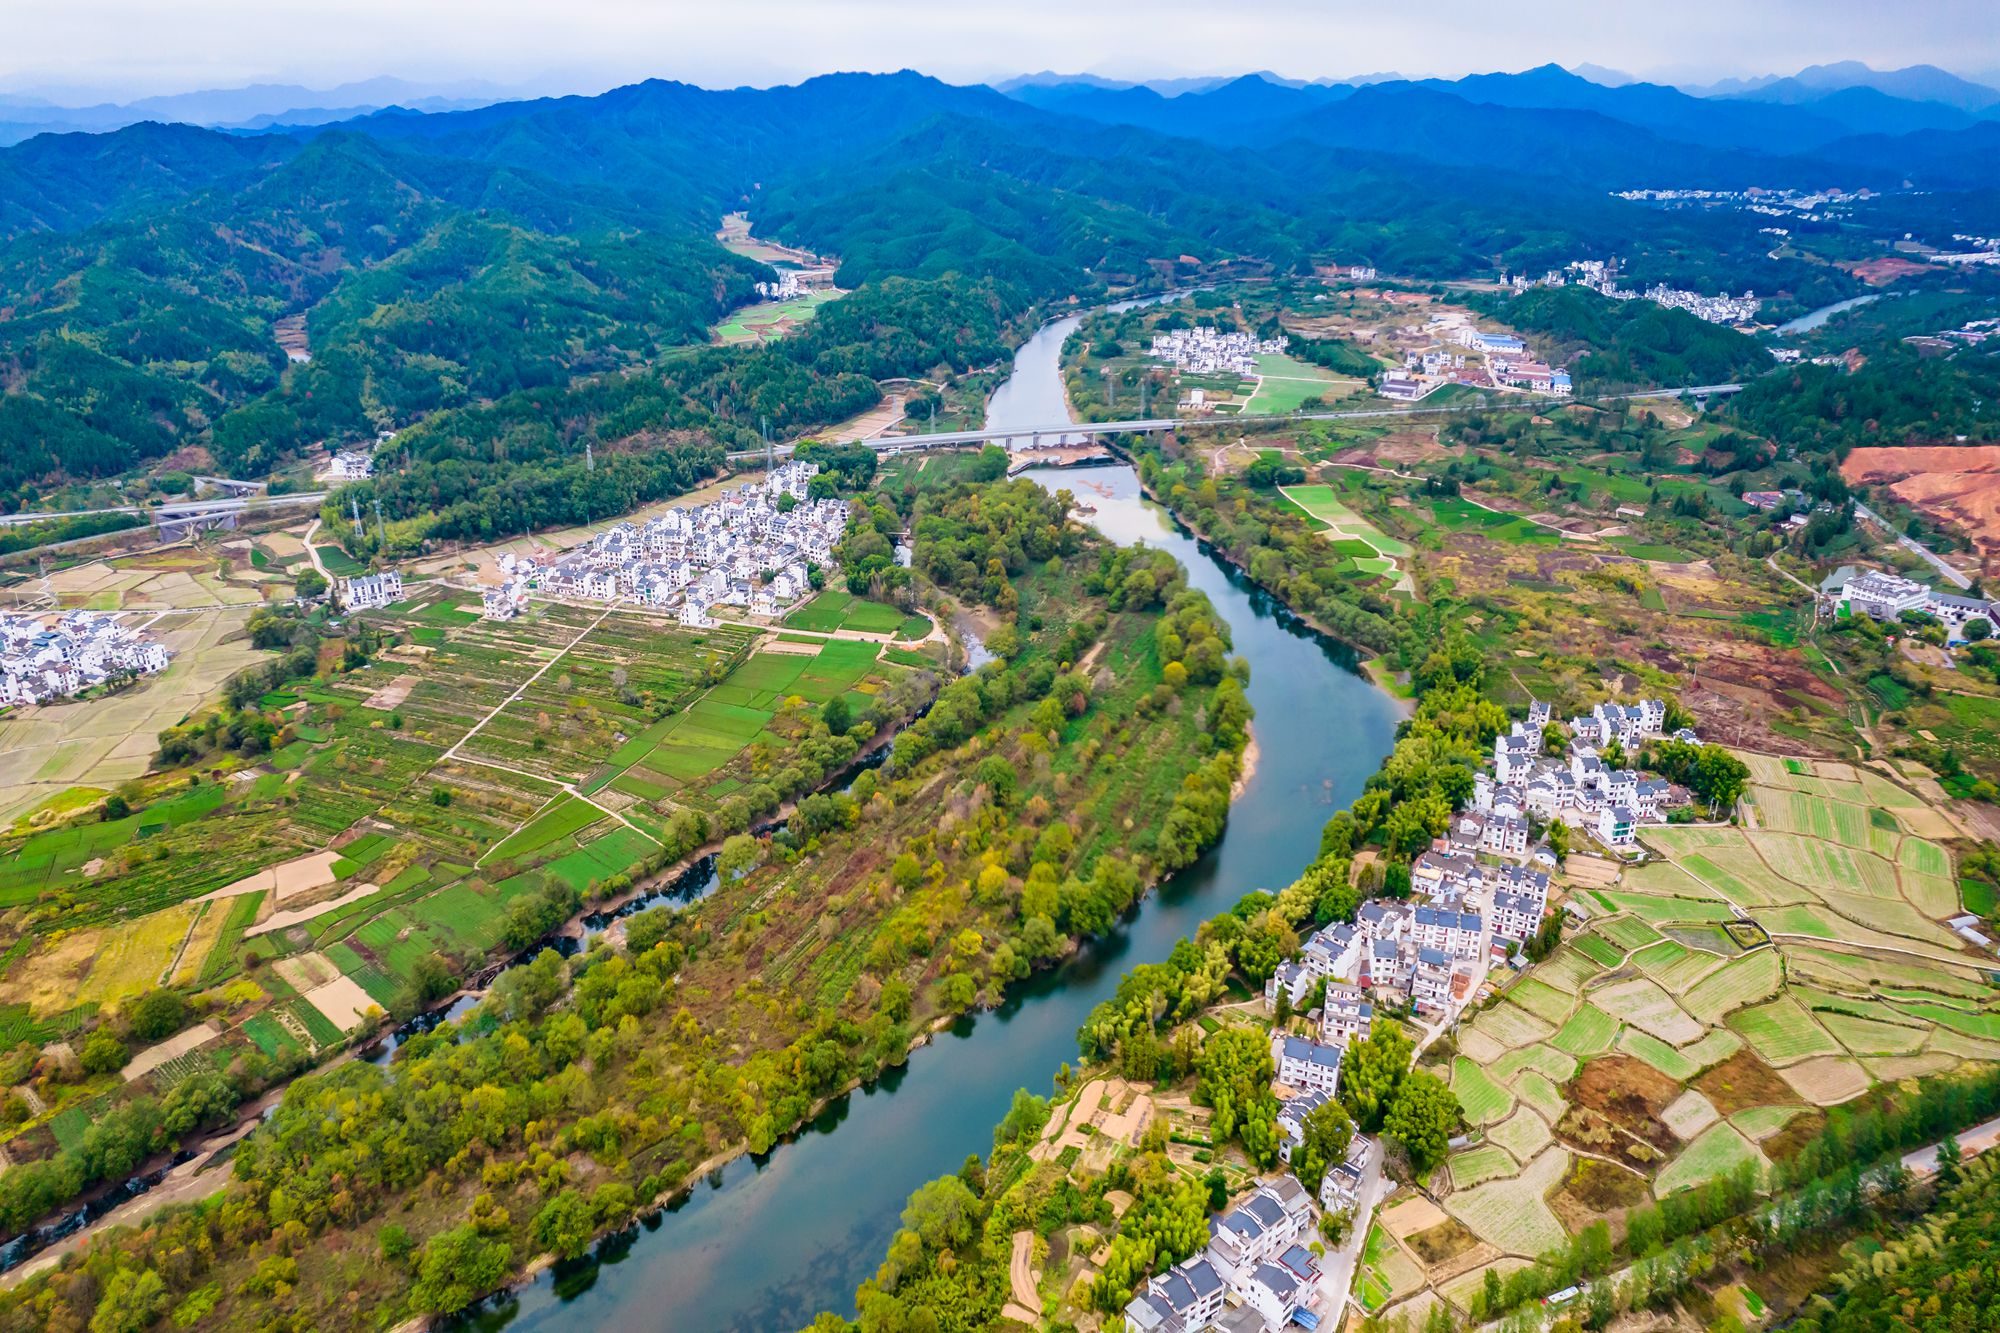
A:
(739, 856)
(1558, 836)
(838, 715)
(1425, 1115)
(1978, 628)
(1949, 1157)
(458, 1267)
(308, 584)
(114, 807)
(131, 1302)
(157, 1014)
(1327, 1131)
(565, 1224)
(1372, 1072)
(942, 1214)
(103, 1052)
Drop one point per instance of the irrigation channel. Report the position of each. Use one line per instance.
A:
(769, 1240)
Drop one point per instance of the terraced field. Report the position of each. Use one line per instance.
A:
(1742, 978)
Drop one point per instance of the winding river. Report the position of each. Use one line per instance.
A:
(768, 1241)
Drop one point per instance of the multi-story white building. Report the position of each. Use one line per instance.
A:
(1430, 980)
(44, 659)
(1307, 1065)
(1259, 1229)
(1345, 1016)
(1455, 934)
(370, 591)
(1184, 1299)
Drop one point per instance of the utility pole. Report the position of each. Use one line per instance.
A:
(1110, 388)
(381, 528)
(764, 429)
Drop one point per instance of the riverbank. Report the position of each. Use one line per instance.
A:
(1367, 660)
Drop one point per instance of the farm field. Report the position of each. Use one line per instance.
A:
(766, 320)
(362, 841)
(1284, 384)
(1682, 1051)
(837, 609)
(103, 742)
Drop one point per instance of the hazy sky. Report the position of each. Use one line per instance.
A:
(137, 47)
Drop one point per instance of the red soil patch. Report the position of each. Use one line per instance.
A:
(1885, 270)
(1957, 483)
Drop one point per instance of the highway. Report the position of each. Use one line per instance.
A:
(1915, 547)
(1057, 431)
(182, 510)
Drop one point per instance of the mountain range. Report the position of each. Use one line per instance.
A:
(448, 258)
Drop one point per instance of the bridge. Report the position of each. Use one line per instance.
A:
(182, 518)
(1080, 431)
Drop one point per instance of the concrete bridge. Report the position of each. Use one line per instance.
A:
(182, 517)
(1056, 433)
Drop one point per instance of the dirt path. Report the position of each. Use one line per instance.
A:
(1020, 1272)
(312, 552)
(522, 688)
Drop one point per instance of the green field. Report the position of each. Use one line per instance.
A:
(1344, 526)
(770, 319)
(836, 609)
(1284, 384)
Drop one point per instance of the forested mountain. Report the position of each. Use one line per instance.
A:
(63, 182)
(1614, 345)
(445, 261)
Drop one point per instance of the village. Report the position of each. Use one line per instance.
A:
(753, 549)
(48, 658)
(1207, 351)
(1460, 353)
(1477, 897)
(1601, 276)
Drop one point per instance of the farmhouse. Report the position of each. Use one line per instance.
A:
(370, 591)
(1306, 1064)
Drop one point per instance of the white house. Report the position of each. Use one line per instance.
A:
(1345, 1016)
(1430, 980)
(1186, 1297)
(1305, 1064)
(1884, 596)
(1259, 1229)
(1340, 1187)
(1455, 934)
(371, 590)
(1616, 826)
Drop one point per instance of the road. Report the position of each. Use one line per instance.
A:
(312, 553)
(183, 509)
(1061, 430)
(1915, 547)
(1336, 1279)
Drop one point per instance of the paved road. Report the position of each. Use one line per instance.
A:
(1336, 1280)
(1915, 547)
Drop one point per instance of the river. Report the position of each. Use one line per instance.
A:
(768, 1241)
(1812, 319)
